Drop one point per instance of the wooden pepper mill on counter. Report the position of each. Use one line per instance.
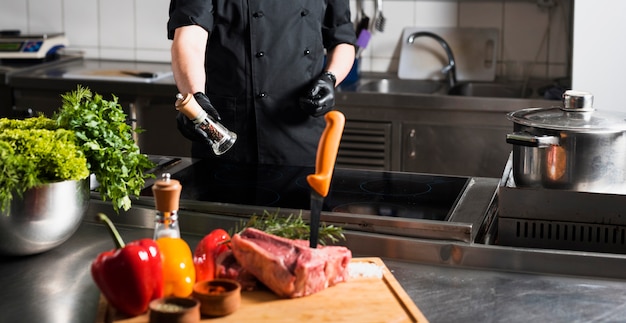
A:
(166, 193)
(179, 274)
(219, 137)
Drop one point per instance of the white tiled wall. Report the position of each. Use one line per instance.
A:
(135, 29)
(530, 35)
(600, 39)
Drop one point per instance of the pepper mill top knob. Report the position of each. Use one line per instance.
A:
(166, 193)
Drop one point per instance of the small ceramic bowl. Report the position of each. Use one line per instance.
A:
(218, 297)
(174, 310)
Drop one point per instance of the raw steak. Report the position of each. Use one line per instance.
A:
(289, 267)
(228, 267)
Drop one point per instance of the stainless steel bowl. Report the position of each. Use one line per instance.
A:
(43, 218)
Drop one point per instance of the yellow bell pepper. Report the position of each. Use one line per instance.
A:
(179, 274)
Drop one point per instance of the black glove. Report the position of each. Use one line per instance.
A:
(320, 98)
(205, 103)
(189, 129)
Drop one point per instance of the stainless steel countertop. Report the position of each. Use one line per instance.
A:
(56, 286)
(449, 281)
(51, 78)
(41, 77)
(450, 294)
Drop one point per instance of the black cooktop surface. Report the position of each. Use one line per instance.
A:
(396, 194)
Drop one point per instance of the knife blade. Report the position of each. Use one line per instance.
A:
(317, 201)
(146, 75)
(324, 167)
(162, 167)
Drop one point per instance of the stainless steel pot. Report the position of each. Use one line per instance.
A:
(573, 147)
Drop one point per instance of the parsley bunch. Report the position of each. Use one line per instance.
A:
(107, 142)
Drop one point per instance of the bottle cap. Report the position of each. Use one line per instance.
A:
(166, 193)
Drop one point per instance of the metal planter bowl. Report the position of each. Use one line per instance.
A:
(43, 218)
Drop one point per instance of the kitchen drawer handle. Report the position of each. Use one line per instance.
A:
(528, 140)
(412, 142)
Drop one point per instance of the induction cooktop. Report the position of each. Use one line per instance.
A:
(393, 194)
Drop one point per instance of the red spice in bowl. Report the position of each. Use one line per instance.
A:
(218, 297)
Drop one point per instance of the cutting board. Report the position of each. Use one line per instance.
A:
(474, 50)
(120, 75)
(358, 300)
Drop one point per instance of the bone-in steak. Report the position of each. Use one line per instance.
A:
(228, 267)
(289, 267)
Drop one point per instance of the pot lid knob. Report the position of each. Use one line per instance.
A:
(577, 101)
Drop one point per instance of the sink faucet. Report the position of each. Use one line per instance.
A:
(450, 69)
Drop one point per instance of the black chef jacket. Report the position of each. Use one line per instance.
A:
(261, 57)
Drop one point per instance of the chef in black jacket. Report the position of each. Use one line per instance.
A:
(269, 70)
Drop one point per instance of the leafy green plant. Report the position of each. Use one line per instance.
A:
(106, 140)
(34, 152)
(87, 135)
(291, 227)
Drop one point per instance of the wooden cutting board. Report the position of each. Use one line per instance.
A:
(358, 300)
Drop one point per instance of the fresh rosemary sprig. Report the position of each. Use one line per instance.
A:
(291, 227)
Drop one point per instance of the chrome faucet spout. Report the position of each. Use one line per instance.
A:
(450, 69)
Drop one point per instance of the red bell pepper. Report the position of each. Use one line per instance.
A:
(207, 251)
(131, 275)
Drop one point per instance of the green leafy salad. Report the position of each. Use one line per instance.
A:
(87, 135)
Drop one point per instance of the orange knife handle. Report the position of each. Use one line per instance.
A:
(327, 153)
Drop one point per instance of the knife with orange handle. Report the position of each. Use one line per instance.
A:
(324, 167)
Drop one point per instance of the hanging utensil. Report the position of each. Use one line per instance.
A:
(363, 21)
(362, 41)
(324, 167)
(379, 19)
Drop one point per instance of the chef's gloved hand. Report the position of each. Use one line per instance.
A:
(205, 103)
(320, 98)
(189, 129)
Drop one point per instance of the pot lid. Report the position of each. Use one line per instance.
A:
(577, 114)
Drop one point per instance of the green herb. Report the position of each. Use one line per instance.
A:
(291, 227)
(39, 122)
(34, 152)
(106, 140)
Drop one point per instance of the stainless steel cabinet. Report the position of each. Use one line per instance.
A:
(365, 145)
(434, 133)
(156, 115)
(454, 149)
(38, 101)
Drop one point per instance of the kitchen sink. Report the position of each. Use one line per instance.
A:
(470, 89)
(493, 90)
(402, 86)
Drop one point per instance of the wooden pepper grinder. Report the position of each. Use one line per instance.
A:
(217, 135)
(166, 193)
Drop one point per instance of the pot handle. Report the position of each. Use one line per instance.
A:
(528, 140)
